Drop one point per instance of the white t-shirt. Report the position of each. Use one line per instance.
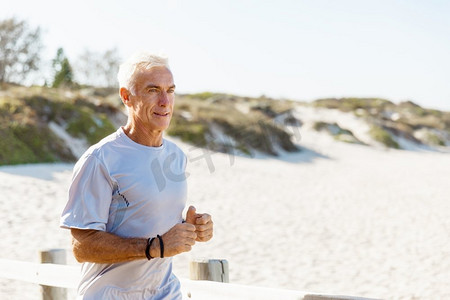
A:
(131, 190)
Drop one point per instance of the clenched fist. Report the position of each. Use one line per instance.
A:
(203, 224)
(180, 238)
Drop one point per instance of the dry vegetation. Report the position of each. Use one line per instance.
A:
(392, 121)
(90, 114)
(25, 115)
(220, 122)
(249, 124)
(339, 133)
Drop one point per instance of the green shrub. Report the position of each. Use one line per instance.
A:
(201, 96)
(29, 143)
(384, 137)
(192, 132)
(434, 139)
(319, 125)
(86, 123)
(14, 151)
(24, 116)
(339, 134)
(352, 104)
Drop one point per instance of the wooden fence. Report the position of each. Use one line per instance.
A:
(208, 280)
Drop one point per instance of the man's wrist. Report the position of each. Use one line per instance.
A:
(155, 249)
(147, 248)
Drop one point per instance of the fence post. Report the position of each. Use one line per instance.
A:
(209, 269)
(53, 256)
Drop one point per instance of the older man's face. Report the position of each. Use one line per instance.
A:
(153, 98)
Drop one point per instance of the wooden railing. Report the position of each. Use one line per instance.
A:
(56, 278)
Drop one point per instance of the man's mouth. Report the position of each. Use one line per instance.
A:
(161, 114)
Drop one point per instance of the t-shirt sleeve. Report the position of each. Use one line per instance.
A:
(90, 196)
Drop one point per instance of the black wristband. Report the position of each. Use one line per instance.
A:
(147, 249)
(161, 245)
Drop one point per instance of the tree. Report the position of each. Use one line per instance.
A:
(63, 70)
(111, 64)
(98, 69)
(20, 48)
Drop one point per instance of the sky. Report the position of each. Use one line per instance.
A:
(301, 50)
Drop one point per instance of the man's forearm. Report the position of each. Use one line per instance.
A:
(103, 247)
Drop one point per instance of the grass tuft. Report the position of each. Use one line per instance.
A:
(381, 135)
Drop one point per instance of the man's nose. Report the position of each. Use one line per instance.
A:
(164, 99)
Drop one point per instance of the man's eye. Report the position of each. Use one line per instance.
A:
(153, 90)
(171, 91)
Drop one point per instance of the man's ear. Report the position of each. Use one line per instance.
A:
(125, 96)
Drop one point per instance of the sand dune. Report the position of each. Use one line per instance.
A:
(335, 218)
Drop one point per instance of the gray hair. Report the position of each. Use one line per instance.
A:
(137, 62)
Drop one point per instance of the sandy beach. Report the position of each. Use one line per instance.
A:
(334, 218)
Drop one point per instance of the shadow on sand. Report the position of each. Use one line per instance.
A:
(44, 171)
(47, 171)
(304, 155)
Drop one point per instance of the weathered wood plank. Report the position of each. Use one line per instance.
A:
(45, 274)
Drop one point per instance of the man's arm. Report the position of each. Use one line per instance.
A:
(103, 247)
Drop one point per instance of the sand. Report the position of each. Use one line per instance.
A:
(335, 218)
